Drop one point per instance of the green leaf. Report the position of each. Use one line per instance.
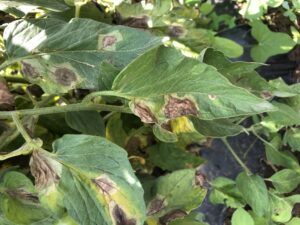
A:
(228, 47)
(281, 158)
(285, 116)
(86, 122)
(164, 135)
(177, 192)
(292, 137)
(60, 56)
(253, 9)
(283, 90)
(162, 84)
(269, 43)
(194, 218)
(225, 192)
(294, 221)
(241, 74)
(255, 192)
(91, 179)
(274, 3)
(241, 217)
(281, 209)
(216, 128)
(54, 5)
(170, 157)
(17, 194)
(115, 131)
(285, 180)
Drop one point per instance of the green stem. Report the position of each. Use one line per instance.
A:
(24, 150)
(8, 136)
(65, 108)
(77, 10)
(15, 79)
(236, 157)
(263, 140)
(90, 97)
(21, 128)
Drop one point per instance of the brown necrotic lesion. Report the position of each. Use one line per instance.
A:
(64, 76)
(176, 107)
(121, 218)
(29, 71)
(44, 173)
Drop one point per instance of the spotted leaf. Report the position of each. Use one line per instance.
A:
(162, 84)
(91, 179)
(60, 56)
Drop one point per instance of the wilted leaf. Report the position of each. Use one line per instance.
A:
(162, 84)
(92, 179)
(255, 192)
(269, 43)
(185, 131)
(60, 56)
(170, 157)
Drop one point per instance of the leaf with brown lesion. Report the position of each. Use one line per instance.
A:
(6, 98)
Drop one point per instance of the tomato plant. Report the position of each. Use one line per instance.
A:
(101, 103)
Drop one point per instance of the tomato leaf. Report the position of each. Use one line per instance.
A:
(162, 84)
(255, 193)
(91, 179)
(60, 56)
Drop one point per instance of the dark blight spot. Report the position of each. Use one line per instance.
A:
(173, 215)
(144, 112)
(42, 171)
(121, 218)
(176, 107)
(64, 76)
(106, 185)
(29, 71)
(176, 31)
(6, 98)
(200, 179)
(108, 41)
(155, 206)
(22, 194)
(266, 94)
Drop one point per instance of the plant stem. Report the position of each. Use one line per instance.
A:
(65, 108)
(77, 10)
(89, 97)
(21, 128)
(15, 79)
(236, 157)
